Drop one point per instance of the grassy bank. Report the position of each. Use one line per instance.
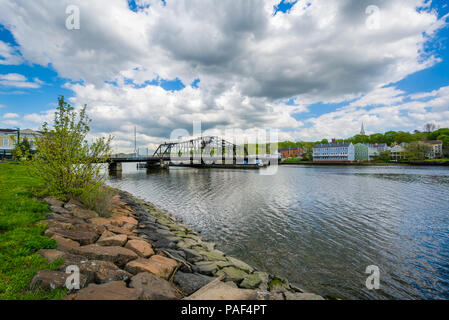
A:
(20, 238)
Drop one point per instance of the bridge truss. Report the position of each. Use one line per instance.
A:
(204, 150)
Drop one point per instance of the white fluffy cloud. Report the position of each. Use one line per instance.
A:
(11, 115)
(9, 55)
(248, 60)
(16, 80)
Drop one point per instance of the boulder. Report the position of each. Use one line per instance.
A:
(50, 280)
(129, 227)
(240, 264)
(192, 256)
(112, 240)
(218, 290)
(210, 267)
(232, 274)
(82, 237)
(53, 202)
(187, 243)
(118, 255)
(190, 282)
(251, 282)
(115, 290)
(83, 213)
(279, 285)
(120, 221)
(73, 203)
(154, 288)
(301, 296)
(100, 221)
(141, 247)
(164, 243)
(59, 210)
(51, 254)
(214, 255)
(55, 224)
(65, 244)
(71, 259)
(99, 271)
(89, 227)
(158, 265)
(118, 230)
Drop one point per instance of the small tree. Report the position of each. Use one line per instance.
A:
(417, 151)
(430, 127)
(22, 151)
(384, 156)
(65, 161)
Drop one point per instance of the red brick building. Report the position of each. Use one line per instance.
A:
(291, 152)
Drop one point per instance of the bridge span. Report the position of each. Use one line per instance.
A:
(200, 152)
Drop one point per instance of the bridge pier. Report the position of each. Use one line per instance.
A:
(115, 167)
(156, 165)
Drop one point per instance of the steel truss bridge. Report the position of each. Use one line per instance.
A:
(203, 151)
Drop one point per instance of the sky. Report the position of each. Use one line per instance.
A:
(310, 69)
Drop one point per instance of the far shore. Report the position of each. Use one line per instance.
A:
(411, 163)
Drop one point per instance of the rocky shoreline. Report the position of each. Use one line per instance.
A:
(142, 252)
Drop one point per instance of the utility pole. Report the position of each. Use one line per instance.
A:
(18, 136)
(135, 140)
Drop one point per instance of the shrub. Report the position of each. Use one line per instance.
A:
(65, 161)
(98, 198)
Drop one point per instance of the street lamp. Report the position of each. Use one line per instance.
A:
(18, 135)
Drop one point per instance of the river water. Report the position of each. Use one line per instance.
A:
(318, 226)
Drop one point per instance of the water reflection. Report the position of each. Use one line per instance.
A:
(318, 226)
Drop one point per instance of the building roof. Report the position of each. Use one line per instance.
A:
(292, 148)
(377, 145)
(8, 130)
(432, 141)
(333, 145)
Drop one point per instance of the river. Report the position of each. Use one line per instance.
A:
(318, 226)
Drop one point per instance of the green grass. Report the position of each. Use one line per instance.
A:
(438, 160)
(295, 160)
(20, 237)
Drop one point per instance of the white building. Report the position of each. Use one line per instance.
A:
(334, 152)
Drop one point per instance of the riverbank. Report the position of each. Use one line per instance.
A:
(142, 252)
(139, 252)
(21, 237)
(330, 163)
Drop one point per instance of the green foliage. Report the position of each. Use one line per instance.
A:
(65, 161)
(22, 150)
(389, 137)
(435, 134)
(417, 151)
(99, 199)
(294, 160)
(20, 236)
(384, 156)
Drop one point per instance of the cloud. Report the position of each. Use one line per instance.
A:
(387, 109)
(11, 116)
(9, 55)
(16, 80)
(14, 123)
(248, 61)
(320, 50)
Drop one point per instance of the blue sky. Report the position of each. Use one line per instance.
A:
(204, 65)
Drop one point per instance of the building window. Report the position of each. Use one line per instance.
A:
(5, 142)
